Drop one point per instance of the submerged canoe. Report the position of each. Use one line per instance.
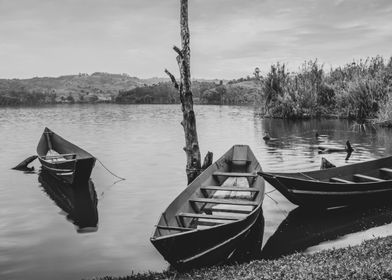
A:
(64, 159)
(209, 221)
(364, 182)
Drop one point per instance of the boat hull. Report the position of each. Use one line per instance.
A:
(312, 194)
(320, 188)
(206, 247)
(76, 169)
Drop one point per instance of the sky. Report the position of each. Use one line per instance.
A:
(229, 38)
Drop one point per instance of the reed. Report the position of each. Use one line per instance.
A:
(356, 90)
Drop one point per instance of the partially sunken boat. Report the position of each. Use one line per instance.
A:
(366, 182)
(209, 221)
(63, 159)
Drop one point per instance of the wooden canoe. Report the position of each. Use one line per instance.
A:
(78, 201)
(207, 223)
(64, 159)
(364, 182)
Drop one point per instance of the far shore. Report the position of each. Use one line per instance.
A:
(387, 124)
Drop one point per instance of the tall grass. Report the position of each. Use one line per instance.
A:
(385, 112)
(356, 90)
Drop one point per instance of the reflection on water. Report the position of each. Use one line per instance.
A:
(304, 228)
(142, 143)
(78, 201)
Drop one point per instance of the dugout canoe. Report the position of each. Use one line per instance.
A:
(365, 182)
(209, 221)
(64, 159)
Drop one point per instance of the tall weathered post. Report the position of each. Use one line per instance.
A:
(192, 150)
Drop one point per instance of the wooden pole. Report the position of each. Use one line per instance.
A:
(192, 150)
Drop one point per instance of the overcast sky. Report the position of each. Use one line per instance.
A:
(229, 38)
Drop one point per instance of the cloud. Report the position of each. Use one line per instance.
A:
(228, 37)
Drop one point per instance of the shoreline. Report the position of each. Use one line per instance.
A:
(331, 116)
(369, 260)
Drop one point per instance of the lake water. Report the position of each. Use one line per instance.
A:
(143, 143)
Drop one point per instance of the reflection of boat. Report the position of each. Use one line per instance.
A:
(330, 149)
(213, 216)
(303, 228)
(336, 149)
(362, 182)
(78, 201)
(64, 159)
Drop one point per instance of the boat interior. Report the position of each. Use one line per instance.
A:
(382, 175)
(366, 172)
(54, 149)
(228, 193)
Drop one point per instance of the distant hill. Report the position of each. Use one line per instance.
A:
(204, 92)
(81, 87)
(120, 88)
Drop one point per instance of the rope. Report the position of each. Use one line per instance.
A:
(270, 191)
(108, 188)
(313, 179)
(267, 194)
(121, 179)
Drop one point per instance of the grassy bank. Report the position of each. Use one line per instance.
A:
(370, 260)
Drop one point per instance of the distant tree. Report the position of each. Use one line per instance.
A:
(274, 84)
(70, 99)
(257, 73)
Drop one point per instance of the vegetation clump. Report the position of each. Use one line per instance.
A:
(357, 90)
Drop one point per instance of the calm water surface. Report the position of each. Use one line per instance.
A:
(143, 143)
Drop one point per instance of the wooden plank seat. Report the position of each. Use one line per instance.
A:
(233, 189)
(240, 161)
(240, 156)
(364, 178)
(234, 174)
(339, 180)
(59, 155)
(204, 216)
(210, 223)
(174, 228)
(386, 172)
(224, 201)
(228, 210)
